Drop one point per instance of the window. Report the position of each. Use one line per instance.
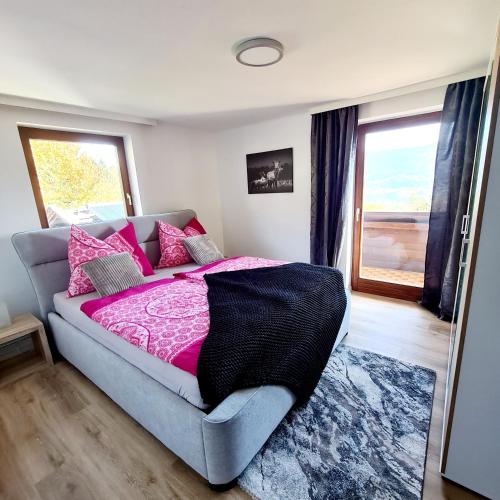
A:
(394, 179)
(76, 177)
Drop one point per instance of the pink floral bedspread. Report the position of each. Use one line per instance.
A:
(167, 318)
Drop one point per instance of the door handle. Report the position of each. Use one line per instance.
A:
(129, 198)
(358, 212)
(465, 241)
(465, 224)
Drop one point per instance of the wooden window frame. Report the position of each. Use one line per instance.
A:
(387, 289)
(27, 133)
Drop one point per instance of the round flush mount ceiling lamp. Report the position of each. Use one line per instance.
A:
(258, 52)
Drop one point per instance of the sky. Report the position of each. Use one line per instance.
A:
(101, 152)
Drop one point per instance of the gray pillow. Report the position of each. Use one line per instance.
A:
(202, 249)
(113, 273)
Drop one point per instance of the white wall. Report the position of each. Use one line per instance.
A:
(182, 173)
(425, 101)
(171, 168)
(266, 225)
(278, 225)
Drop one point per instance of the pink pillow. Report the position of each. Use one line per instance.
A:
(125, 240)
(172, 250)
(82, 247)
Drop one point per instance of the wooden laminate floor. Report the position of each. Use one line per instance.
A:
(62, 438)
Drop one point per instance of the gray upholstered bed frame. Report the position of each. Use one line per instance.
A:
(218, 444)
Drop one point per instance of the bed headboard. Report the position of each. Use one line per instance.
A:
(44, 252)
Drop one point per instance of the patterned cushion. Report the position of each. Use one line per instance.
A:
(172, 250)
(125, 240)
(82, 247)
(202, 249)
(113, 273)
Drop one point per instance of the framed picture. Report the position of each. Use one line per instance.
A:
(270, 172)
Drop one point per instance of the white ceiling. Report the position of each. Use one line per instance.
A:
(171, 59)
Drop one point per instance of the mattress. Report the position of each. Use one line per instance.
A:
(178, 381)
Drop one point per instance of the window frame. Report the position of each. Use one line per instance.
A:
(27, 133)
(386, 289)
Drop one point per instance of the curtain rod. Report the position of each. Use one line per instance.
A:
(408, 89)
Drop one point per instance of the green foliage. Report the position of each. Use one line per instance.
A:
(402, 199)
(70, 178)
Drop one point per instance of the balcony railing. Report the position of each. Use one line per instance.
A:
(393, 246)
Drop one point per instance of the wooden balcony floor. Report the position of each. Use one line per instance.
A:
(398, 276)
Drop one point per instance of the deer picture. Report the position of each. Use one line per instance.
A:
(273, 175)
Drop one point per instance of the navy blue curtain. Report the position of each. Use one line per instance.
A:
(452, 182)
(333, 148)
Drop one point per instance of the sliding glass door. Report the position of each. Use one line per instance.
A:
(393, 193)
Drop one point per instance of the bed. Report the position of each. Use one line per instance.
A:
(219, 442)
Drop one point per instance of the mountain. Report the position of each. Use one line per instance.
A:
(399, 180)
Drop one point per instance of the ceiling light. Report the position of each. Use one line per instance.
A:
(258, 52)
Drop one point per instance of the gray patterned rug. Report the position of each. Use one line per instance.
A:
(362, 435)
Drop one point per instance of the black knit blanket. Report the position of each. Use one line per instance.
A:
(274, 325)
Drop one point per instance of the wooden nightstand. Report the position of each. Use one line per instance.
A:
(23, 364)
